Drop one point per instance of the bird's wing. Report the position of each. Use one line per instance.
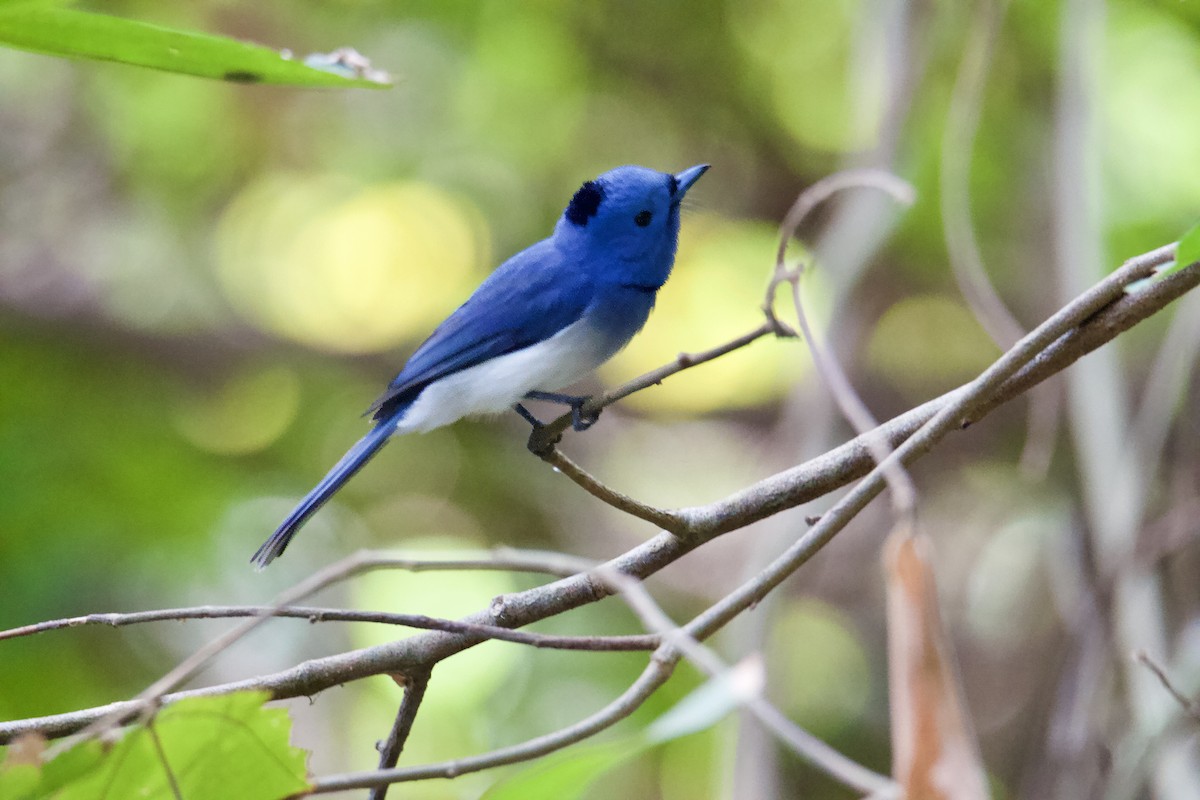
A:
(528, 299)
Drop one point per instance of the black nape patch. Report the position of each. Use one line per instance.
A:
(585, 203)
(673, 184)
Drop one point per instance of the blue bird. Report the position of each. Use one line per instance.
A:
(545, 318)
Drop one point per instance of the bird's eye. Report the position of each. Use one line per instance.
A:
(643, 219)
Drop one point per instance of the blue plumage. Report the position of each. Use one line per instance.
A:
(538, 281)
(545, 318)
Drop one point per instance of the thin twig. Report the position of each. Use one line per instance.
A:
(622, 502)
(958, 229)
(358, 563)
(971, 399)
(389, 753)
(1190, 707)
(958, 144)
(851, 405)
(801, 742)
(784, 490)
(661, 665)
(543, 439)
(315, 614)
(805, 482)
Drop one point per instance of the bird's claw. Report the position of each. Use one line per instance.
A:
(581, 421)
(539, 444)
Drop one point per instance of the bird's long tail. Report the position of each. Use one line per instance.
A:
(344, 470)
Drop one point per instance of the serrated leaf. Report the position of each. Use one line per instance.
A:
(211, 747)
(40, 28)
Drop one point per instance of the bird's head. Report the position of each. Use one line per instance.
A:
(625, 223)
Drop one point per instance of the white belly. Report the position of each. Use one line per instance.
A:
(495, 385)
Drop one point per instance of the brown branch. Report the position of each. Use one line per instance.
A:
(836, 468)
(414, 692)
(662, 665)
(315, 615)
(149, 700)
(666, 520)
(1109, 317)
(973, 399)
(801, 742)
(543, 439)
(849, 403)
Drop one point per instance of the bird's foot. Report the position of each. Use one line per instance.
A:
(539, 444)
(579, 420)
(533, 421)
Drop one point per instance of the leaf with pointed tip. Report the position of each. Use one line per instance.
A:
(568, 774)
(1188, 251)
(42, 27)
(1186, 254)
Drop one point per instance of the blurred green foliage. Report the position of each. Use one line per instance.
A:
(203, 284)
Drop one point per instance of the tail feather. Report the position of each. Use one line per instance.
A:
(344, 470)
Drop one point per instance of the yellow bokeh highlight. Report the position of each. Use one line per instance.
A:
(1150, 105)
(929, 343)
(715, 294)
(244, 415)
(827, 92)
(819, 668)
(343, 267)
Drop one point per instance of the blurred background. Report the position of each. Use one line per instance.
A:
(203, 285)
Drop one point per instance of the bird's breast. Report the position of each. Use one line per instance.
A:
(496, 384)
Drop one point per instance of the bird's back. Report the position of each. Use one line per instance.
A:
(526, 300)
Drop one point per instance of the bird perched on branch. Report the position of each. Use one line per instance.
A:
(545, 318)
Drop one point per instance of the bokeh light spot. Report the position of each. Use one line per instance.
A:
(928, 342)
(714, 294)
(810, 87)
(244, 415)
(821, 671)
(1150, 104)
(342, 267)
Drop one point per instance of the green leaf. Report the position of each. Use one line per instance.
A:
(568, 774)
(28, 782)
(212, 747)
(1186, 254)
(40, 28)
(1188, 251)
(9, 5)
(18, 781)
(710, 703)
